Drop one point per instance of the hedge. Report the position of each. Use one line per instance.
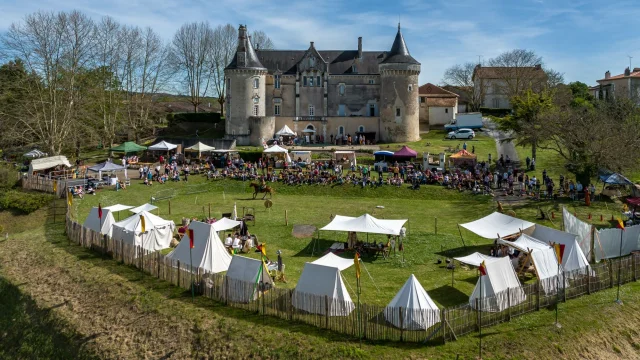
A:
(24, 202)
(498, 112)
(204, 117)
(251, 156)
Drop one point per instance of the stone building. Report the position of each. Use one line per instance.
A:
(438, 106)
(333, 93)
(625, 85)
(496, 85)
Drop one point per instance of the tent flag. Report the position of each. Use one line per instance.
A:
(263, 250)
(559, 250)
(69, 198)
(356, 261)
(55, 185)
(483, 269)
(620, 224)
(191, 238)
(142, 227)
(99, 211)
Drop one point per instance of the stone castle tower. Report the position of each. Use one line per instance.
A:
(245, 99)
(399, 110)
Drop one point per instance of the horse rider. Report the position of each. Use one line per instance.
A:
(263, 184)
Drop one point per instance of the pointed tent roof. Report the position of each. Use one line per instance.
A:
(117, 207)
(141, 208)
(419, 312)
(285, 131)
(163, 146)
(128, 147)
(500, 277)
(244, 45)
(335, 261)
(405, 151)
(276, 149)
(525, 243)
(318, 282)
(200, 147)
(496, 223)
(244, 274)
(463, 154)
(475, 259)
(132, 223)
(106, 166)
(208, 252)
(225, 224)
(399, 53)
(103, 226)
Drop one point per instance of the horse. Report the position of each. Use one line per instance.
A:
(266, 190)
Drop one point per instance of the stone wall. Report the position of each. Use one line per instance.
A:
(240, 99)
(399, 91)
(261, 127)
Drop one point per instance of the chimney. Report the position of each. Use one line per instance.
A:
(311, 44)
(360, 47)
(636, 69)
(627, 72)
(607, 74)
(538, 66)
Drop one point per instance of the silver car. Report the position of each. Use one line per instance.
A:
(462, 134)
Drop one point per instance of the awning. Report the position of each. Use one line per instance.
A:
(335, 261)
(383, 153)
(128, 147)
(200, 147)
(48, 163)
(163, 146)
(365, 224)
(141, 208)
(285, 131)
(276, 149)
(106, 166)
(225, 224)
(497, 225)
(405, 151)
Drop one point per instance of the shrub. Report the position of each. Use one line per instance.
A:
(498, 112)
(252, 156)
(207, 117)
(24, 202)
(8, 178)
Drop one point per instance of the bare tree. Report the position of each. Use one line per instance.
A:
(56, 47)
(191, 51)
(225, 39)
(461, 77)
(261, 40)
(520, 70)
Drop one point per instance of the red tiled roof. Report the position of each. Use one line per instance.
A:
(430, 89)
(634, 74)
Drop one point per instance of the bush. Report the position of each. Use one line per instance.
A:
(497, 112)
(8, 178)
(24, 202)
(208, 117)
(252, 156)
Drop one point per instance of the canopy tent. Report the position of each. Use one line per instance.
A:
(208, 253)
(225, 224)
(102, 226)
(285, 131)
(462, 158)
(419, 312)
(333, 260)
(141, 208)
(157, 236)
(48, 163)
(365, 224)
(612, 178)
(348, 155)
(525, 243)
(106, 166)
(320, 282)
(475, 259)
(304, 156)
(500, 278)
(573, 258)
(163, 146)
(34, 154)
(382, 155)
(128, 147)
(275, 149)
(200, 148)
(406, 152)
(117, 207)
(244, 276)
(491, 225)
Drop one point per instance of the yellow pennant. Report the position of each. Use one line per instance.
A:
(142, 225)
(55, 185)
(69, 198)
(356, 262)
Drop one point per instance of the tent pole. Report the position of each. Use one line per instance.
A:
(461, 238)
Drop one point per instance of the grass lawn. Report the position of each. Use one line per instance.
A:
(546, 159)
(434, 142)
(315, 204)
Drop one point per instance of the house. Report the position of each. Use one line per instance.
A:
(626, 84)
(437, 106)
(498, 84)
(464, 100)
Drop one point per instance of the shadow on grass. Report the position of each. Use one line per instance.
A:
(447, 295)
(316, 246)
(35, 333)
(464, 251)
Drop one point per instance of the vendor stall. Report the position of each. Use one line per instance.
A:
(405, 154)
(345, 158)
(199, 148)
(301, 158)
(463, 158)
(277, 156)
(128, 148)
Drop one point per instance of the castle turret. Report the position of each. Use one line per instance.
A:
(245, 98)
(399, 111)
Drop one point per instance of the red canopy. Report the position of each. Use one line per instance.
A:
(406, 152)
(635, 201)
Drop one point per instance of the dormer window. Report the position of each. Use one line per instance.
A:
(310, 80)
(241, 57)
(341, 89)
(256, 83)
(354, 69)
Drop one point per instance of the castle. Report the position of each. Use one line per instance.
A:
(324, 93)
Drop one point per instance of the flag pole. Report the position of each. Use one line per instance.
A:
(557, 291)
(480, 320)
(618, 301)
(359, 312)
(191, 244)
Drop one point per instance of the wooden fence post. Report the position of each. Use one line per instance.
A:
(443, 319)
(286, 218)
(209, 210)
(178, 274)
(226, 290)
(158, 264)
(290, 305)
(633, 267)
(538, 294)
(326, 311)
(610, 273)
(508, 304)
(401, 323)
(588, 281)
(478, 313)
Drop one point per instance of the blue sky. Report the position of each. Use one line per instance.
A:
(581, 39)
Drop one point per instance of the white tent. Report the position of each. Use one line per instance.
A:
(500, 278)
(200, 147)
(365, 224)
(208, 252)
(546, 265)
(573, 225)
(275, 149)
(243, 278)
(475, 259)
(419, 312)
(157, 235)
(335, 261)
(48, 163)
(103, 226)
(117, 207)
(34, 154)
(608, 242)
(491, 225)
(319, 288)
(162, 146)
(351, 155)
(285, 131)
(304, 156)
(525, 243)
(573, 258)
(225, 224)
(141, 208)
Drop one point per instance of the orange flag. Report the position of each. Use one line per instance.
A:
(620, 224)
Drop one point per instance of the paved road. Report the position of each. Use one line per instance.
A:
(504, 148)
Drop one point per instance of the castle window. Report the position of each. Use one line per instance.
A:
(341, 89)
(276, 110)
(310, 80)
(397, 111)
(341, 130)
(312, 110)
(446, 110)
(372, 109)
(318, 81)
(423, 99)
(256, 83)
(256, 100)
(304, 81)
(256, 109)
(410, 87)
(341, 110)
(277, 81)
(361, 128)
(371, 81)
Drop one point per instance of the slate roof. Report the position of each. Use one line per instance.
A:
(251, 62)
(399, 53)
(340, 61)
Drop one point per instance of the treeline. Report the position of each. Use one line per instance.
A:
(68, 80)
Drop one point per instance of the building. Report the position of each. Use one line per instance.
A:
(626, 84)
(464, 101)
(498, 84)
(437, 106)
(332, 93)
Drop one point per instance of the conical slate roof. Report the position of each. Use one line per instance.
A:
(399, 53)
(244, 45)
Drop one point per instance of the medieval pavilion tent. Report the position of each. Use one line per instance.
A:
(475, 259)
(141, 208)
(500, 278)
(225, 224)
(243, 279)
(573, 258)
(200, 148)
(104, 225)
(321, 287)
(365, 224)
(491, 225)
(208, 253)
(412, 308)
(285, 131)
(157, 236)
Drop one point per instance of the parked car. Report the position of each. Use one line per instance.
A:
(462, 134)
